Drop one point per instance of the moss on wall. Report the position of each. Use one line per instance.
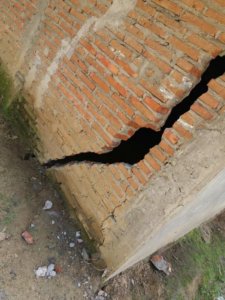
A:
(12, 106)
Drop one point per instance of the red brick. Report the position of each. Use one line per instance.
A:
(209, 100)
(121, 49)
(144, 167)
(170, 23)
(204, 44)
(188, 67)
(167, 149)
(182, 131)
(197, 5)
(125, 66)
(154, 90)
(189, 118)
(134, 44)
(201, 111)
(169, 5)
(155, 151)
(218, 17)
(200, 23)
(141, 108)
(127, 109)
(170, 136)
(128, 176)
(135, 31)
(160, 49)
(100, 82)
(152, 27)
(153, 163)
(133, 87)
(105, 49)
(146, 8)
(111, 67)
(184, 47)
(137, 173)
(81, 17)
(118, 87)
(156, 106)
(217, 88)
(158, 62)
(88, 46)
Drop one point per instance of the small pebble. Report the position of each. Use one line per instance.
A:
(48, 205)
(72, 245)
(78, 234)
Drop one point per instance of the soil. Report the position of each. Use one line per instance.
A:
(24, 188)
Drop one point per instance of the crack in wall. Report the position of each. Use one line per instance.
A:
(136, 147)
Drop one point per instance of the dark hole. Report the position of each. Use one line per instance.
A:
(135, 148)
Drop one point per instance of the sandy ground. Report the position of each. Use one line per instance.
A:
(23, 192)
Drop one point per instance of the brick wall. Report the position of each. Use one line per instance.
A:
(96, 71)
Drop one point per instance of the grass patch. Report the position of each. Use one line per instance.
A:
(7, 210)
(196, 258)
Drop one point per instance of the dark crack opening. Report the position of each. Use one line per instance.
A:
(136, 147)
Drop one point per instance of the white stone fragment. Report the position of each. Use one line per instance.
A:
(48, 205)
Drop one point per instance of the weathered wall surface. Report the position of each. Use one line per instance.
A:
(93, 73)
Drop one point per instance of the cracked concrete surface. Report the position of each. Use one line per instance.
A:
(185, 193)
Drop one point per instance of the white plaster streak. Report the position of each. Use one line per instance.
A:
(186, 125)
(115, 14)
(30, 77)
(80, 34)
(30, 33)
(43, 86)
(113, 17)
(168, 95)
(186, 84)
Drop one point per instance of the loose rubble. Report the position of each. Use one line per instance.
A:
(3, 235)
(85, 255)
(27, 237)
(46, 271)
(48, 205)
(161, 264)
(102, 295)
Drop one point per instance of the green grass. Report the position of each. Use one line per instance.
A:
(7, 211)
(196, 258)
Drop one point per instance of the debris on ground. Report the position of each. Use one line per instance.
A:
(206, 233)
(84, 254)
(3, 235)
(27, 237)
(72, 245)
(51, 271)
(46, 271)
(58, 269)
(161, 264)
(41, 271)
(102, 295)
(48, 205)
(78, 235)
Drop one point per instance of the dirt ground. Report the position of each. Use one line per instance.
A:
(24, 188)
